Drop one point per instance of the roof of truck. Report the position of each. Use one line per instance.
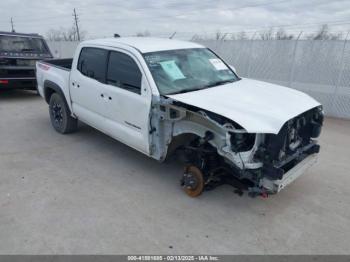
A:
(146, 44)
(20, 34)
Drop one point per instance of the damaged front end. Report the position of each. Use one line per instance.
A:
(218, 151)
(290, 153)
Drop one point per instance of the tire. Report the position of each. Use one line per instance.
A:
(60, 117)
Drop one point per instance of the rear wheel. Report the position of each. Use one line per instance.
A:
(60, 117)
(193, 181)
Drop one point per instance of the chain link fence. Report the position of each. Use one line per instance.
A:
(62, 49)
(319, 68)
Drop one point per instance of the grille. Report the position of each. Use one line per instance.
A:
(296, 133)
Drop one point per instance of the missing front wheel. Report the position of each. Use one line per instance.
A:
(192, 181)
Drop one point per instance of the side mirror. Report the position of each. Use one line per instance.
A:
(233, 69)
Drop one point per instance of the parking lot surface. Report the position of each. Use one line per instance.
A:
(85, 193)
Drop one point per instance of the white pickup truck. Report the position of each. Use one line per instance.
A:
(162, 96)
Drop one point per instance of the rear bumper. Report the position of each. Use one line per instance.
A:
(275, 186)
(18, 83)
(17, 77)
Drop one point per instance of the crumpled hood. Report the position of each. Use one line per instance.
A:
(259, 107)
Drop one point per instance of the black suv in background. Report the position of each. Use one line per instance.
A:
(18, 54)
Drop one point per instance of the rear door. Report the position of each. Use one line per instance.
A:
(86, 86)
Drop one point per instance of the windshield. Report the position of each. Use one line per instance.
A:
(186, 70)
(22, 44)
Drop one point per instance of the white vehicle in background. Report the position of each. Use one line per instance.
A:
(162, 96)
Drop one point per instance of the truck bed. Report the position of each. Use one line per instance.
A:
(56, 71)
(65, 64)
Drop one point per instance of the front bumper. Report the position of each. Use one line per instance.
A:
(275, 186)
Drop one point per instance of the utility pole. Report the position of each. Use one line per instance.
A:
(76, 24)
(13, 29)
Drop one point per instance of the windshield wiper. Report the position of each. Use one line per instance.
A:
(218, 83)
(222, 82)
(185, 91)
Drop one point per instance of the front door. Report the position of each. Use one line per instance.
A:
(128, 100)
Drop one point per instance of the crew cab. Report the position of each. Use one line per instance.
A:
(163, 96)
(18, 55)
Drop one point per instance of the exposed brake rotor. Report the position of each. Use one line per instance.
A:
(192, 181)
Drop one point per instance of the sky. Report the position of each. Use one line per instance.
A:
(103, 18)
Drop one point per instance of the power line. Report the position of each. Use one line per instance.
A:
(172, 35)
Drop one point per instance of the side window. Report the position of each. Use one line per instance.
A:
(123, 72)
(92, 63)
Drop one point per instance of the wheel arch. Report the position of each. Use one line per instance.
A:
(51, 88)
(180, 140)
(186, 131)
